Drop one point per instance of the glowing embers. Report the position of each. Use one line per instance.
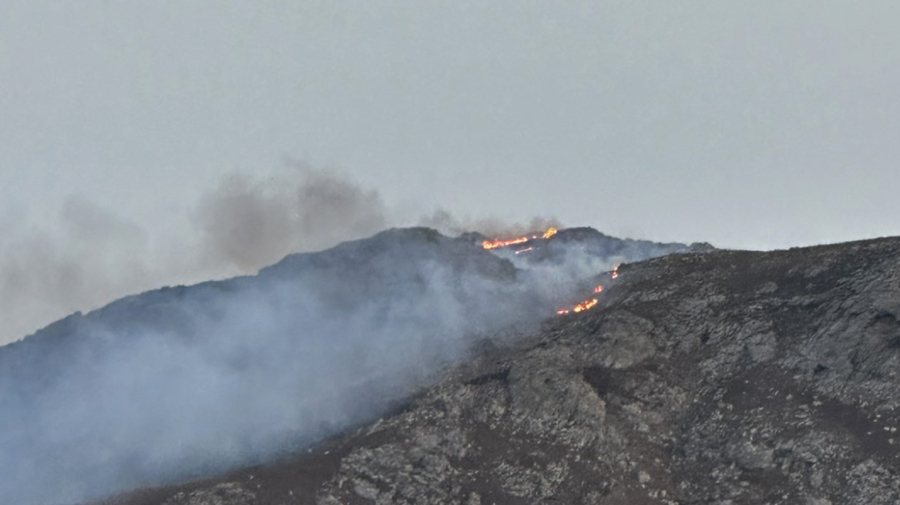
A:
(488, 244)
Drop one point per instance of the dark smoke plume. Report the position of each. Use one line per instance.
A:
(251, 224)
(244, 224)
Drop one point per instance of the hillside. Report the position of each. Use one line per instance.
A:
(191, 381)
(719, 378)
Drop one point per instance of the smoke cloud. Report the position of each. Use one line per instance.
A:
(250, 224)
(94, 258)
(242, 225)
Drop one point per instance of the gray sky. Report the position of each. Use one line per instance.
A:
(747, 124)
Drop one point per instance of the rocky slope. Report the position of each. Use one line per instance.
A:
(188, 381)
(723, 378)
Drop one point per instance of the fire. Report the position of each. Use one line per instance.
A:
(487, 244)
(494, 244)
(590, 304)
(586, 305)
(581, 307)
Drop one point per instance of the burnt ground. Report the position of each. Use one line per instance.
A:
(719, 378)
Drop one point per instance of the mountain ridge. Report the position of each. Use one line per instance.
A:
(732, 377)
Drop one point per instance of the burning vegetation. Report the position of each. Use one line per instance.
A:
(585, 305)
(499, 243)
(488, 244)
(590, 304)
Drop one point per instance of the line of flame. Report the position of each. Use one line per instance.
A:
(589, 304)
(488, 244)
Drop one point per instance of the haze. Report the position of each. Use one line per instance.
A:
(752, 124)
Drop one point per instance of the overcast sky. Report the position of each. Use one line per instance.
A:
(747, 124)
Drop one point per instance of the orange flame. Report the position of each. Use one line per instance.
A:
(585, 305)
(589, 304)
(494, 244)
(581, 307)
(487, 244)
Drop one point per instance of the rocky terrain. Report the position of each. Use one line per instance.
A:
(722, 378)
(190, 381)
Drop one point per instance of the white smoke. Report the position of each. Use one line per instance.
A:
(181, 382)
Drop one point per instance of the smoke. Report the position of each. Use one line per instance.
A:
(181, 382)
(250, 224)
(449, 224)
(92, 259)
(94, 256)
(242, 225)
